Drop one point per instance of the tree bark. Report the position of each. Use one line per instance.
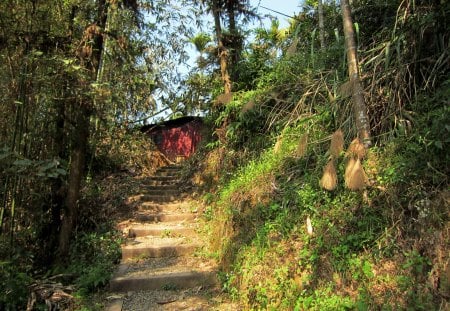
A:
(76, 173)
(321, 24)
(223, 52)
(82, 111)
(359, 106)
(234, 43)
(57, 187)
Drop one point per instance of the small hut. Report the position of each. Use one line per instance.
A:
(177, 139)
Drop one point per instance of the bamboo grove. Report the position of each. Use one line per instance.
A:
(72, 73)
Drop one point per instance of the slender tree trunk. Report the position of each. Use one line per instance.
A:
(235, 44)
(223, 53)
(76, 173)
(359, 106)
(83, 111)
(57, 185)
(321, 24)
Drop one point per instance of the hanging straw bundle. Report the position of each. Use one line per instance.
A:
(248, 106)
(224, 99)
(337, 143)
(356, 149)
(302, 146)
(329, 177)
(277, 147)
(355, 177)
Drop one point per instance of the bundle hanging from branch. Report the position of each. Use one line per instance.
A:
(277, 147)
(355, 177)
(356, 149)
(302, 146)
(337, 143)
(329, 177)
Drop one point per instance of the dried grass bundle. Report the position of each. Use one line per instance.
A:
(221, 134)
(278, 144)
(337, 143)
(302, 146)
(355, 177)
(224, 98)
(357, 149)
(309, 227)
(248, 106)
(348, 168)
(329, 177)
(292, 48)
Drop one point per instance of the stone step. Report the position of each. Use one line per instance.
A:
(166, 281)
(157, 251)
(167, 173)
(171, 229)
(164, 273)
(168, 169)
(161, 192)
(159, 198)
(168, 207)
(163, 183)
(155, 247)
(168, 187)
(162, 180)
(145, 216)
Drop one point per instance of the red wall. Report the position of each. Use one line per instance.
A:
(178, 141)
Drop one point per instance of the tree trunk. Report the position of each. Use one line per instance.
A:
(235, 44)
(359, 106)
(82, 113)
(57, 185)
(76, 173)
(321, 24)
(223, 53)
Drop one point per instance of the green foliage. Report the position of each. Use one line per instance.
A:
(324, 299)
(14, 284)
(200, 41)
(93, 258)
(15, 164)
(268, 199)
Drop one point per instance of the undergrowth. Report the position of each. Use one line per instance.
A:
(385, 247)
(285, 243)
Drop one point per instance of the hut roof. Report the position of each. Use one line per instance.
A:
(169, 124)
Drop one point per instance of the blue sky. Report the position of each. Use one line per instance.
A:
(288, 7)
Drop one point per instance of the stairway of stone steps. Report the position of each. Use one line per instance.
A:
(161, 266)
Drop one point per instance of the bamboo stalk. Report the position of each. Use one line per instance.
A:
(359, 106)
(321, 24)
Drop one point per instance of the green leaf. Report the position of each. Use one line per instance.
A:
(68, 61)
(48, 166)
(23, 162)
(438, 144)
(61, 171)
(5, 153)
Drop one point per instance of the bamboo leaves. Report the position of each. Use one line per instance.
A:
(14, 164)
